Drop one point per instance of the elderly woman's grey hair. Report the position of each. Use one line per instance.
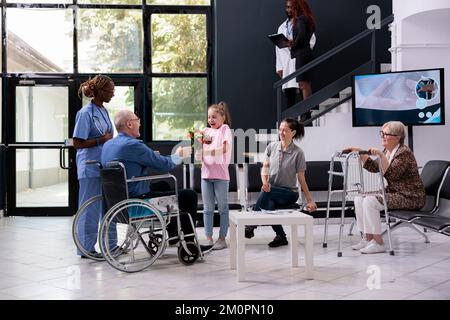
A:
(121, 118)
(397, 128)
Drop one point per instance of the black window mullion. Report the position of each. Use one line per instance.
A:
(146, 16)
(147, 85)
(4, 55)
(75, 38)
(167, 9)
(109, 6)
(209, 52)
(180, 75)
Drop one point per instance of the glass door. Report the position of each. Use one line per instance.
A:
(41, 177)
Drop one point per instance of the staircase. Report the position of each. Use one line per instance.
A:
(335, 96)
(345, 107)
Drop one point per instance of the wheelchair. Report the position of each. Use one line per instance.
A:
(134, 232)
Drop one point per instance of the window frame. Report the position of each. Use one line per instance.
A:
(209, 52)
(147, 74)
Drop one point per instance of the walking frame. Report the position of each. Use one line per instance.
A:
(356, 182)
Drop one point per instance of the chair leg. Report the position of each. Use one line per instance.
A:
(411, 226)
(388, 229)
(414, 227)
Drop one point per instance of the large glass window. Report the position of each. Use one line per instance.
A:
(178, 105)
(110, 40)
(39, 40)
(155, 50)
(179, 51)
(178, 43)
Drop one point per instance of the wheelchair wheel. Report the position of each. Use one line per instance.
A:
(85, 238)
(184, 257)
(124, 241)
(154, 242)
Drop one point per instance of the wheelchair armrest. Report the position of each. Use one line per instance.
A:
(157, 177)
(96, 162)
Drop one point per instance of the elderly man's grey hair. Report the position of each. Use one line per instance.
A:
(121, 118)
(397, 128)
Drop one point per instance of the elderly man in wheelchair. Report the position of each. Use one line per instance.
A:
(139, 221)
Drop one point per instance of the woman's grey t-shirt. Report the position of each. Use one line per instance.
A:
(284, 165)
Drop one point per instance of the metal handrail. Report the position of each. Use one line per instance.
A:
(332, 52)
(328, 91)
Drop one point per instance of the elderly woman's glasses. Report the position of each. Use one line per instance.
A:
(384, 134)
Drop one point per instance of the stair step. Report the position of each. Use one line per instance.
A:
(347, 92)
(329, 102)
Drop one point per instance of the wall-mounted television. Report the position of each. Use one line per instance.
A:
(413, 97)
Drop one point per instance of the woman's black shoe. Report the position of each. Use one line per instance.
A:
(249, 231)
(278, 241)
(93, 254)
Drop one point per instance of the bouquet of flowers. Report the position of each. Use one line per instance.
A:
(199, 136)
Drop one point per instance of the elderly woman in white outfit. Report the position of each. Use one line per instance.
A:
(404, 190)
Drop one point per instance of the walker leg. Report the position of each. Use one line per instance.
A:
(351, 227)
(341, 227)
(325, 234)
(388, 228)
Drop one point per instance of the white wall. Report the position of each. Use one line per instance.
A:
(403, 9)
(421, 40)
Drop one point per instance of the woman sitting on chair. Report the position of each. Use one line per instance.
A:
(405, 189)
(284, 163)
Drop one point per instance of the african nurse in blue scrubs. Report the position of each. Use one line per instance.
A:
(92, 129)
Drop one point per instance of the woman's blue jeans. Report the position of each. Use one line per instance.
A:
(214, 189)
(278, 196)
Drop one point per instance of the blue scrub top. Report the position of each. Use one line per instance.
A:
(91, 122)
(136, 157)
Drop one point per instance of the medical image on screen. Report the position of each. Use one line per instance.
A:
(412, 97)
(426, 89)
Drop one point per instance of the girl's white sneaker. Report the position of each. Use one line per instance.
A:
(219, 245)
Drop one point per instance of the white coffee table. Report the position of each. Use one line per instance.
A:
(238, 221)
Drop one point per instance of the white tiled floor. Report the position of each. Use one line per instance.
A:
(38, 261)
